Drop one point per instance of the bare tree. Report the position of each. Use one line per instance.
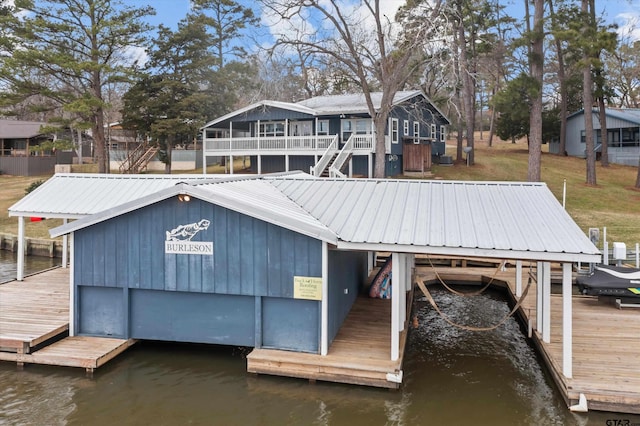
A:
(364, 42)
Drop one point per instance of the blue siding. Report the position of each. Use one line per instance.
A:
(276, 163)
(250, 257)
(290, 324)
(128, 287)
(347, 270)
(188, 317)
(101, 311)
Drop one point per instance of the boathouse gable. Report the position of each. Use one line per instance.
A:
(242, 293)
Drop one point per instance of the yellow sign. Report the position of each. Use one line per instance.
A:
(307, 288)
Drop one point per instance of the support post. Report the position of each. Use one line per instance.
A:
(370, 164)
(371, 261)
(231, 164)
(539, 302)
(65, 244)
(518, 278)
(637, 255)
(401, 282)
(72, 293)
(286, 162)
(395, 308)
(259, 164)
(324, 327)
(20, 265)
(567, 322)
(546, 302)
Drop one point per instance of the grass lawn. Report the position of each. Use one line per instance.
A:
(613, 203)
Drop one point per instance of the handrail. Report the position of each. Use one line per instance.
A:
(345, 153)
(132, 158)
(326, 157)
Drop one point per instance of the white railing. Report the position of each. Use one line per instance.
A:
(271, 143)
(326, 157)
(365, 142)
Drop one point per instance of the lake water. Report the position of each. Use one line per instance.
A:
(452, 377)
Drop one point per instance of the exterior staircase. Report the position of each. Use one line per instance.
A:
(138, 159)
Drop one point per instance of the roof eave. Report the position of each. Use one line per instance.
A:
(475, 252)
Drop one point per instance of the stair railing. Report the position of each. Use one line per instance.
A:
(326, 158)
(341, 159)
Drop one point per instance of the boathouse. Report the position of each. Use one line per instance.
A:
(277, 262)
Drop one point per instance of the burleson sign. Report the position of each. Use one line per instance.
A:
(178, 240)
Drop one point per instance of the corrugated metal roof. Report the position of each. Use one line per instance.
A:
(250, 196)
(276, 104)
(75, 195)
(505, 216)
(632, 115)
(352, 103)
(15, 129)
(517, 220)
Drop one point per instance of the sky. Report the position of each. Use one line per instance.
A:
(621, 12)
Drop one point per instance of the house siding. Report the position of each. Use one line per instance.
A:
(627, 155)
(126, 285)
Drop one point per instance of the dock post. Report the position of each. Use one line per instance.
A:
(539, 301)
(546, 303)
(65, 244)
(395, 307)
(518, 278)
(20, 265)
(567, 322)
(324, 304)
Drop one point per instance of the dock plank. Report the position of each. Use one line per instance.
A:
(34, 312)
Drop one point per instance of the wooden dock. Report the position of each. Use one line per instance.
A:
(360, 354)
(34, 320)
(606, 342)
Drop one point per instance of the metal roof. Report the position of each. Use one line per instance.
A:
(509, 220)
(75, 195)
(15, 129)
(352, 103)
(632, 115)
(276, 104)
(329, 104)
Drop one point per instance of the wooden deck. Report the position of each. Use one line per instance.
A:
(606, 343)
(360, 354)
(34, 319)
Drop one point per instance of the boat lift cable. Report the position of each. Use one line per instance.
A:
(471, 293)
(425, 291)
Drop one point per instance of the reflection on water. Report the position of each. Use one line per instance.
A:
(452, 377)
(33, 264)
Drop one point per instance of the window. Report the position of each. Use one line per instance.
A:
(443, 133)
(300, 128)
(394, 130)
(362, 127)
(433, 132)
(272, 129)
(583, 136)
(406, 127)
(416, 132)
(323, 127)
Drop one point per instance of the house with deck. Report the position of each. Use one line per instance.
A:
(623, 135)
(329, 135)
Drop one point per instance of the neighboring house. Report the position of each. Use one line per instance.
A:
(328, 135)
(16, 158)
(623, 135)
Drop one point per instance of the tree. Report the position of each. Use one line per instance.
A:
(66, 51)
(536, 61)
(371, 51)
(513, 104)
(186, 81)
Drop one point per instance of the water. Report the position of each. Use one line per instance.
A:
(452, 377)
(8, 265)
